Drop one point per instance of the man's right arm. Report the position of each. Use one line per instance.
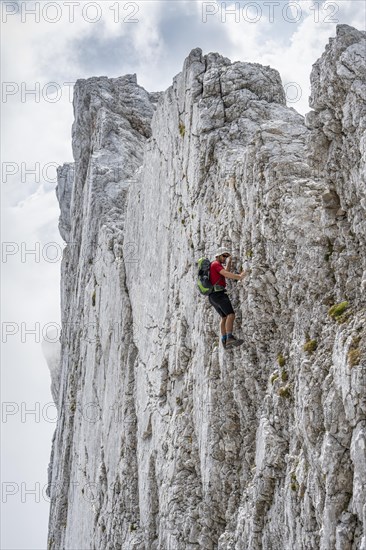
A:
(229, 275)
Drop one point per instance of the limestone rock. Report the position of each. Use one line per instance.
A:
(164, 441)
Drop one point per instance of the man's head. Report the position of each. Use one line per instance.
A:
(221, 254)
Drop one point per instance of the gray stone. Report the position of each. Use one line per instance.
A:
(164, 441)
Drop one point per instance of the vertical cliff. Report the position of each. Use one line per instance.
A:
(164, 441)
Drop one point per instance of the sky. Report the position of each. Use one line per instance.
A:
(45, 47)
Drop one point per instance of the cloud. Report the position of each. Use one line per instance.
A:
(100, 56)
(30, 302)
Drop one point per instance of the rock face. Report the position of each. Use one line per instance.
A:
(164, 441)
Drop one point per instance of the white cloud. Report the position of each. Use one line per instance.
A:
(31, 299)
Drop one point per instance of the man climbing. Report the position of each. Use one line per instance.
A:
(219, 298)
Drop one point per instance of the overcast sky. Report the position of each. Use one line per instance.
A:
(47, 51)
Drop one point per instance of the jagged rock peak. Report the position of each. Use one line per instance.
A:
(264, 81)
(341, 63)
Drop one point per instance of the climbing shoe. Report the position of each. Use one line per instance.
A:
(233, 342)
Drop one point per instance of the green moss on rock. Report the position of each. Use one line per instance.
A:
(284, 376)
(182, 128)
(354, 353)
(310, 346)
(354, 357)
(338, 309)
(284, 392)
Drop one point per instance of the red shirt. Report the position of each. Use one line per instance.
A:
(215, 277)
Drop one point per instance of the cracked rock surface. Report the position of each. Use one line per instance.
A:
(164, 441)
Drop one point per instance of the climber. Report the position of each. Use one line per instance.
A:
(219, 298)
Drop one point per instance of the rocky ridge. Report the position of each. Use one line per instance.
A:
(163, 440)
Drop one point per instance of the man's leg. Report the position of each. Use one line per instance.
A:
(223, 330)
(223, 326)
(229, 323)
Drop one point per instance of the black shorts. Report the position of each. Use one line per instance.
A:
(221, 302)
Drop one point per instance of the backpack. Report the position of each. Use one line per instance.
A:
(203, 280)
